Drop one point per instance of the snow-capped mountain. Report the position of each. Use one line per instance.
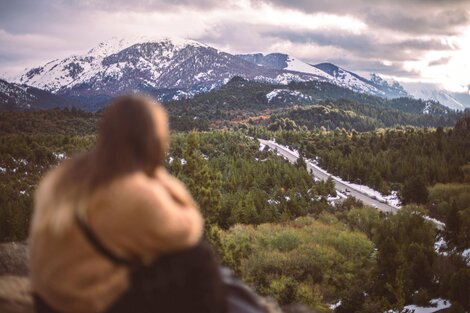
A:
(280, 61)
(147, 64)
(330, 72)
(22, 97)
(454, 100)
(172, 69)
(392, 89)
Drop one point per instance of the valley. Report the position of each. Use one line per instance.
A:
(275, 225)
(327, 243)
(342, 187)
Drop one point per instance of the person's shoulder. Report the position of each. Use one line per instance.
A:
(138, 188)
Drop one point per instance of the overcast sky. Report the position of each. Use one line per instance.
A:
(409, 40)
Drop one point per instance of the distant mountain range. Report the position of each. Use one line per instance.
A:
(172, 69)
(332, 73)
(453, 100)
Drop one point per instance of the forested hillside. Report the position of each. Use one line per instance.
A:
(253, 102)
(277, 227)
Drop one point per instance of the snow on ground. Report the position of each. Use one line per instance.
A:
(333, 306)
(391, 199)
(285, 92)
(436, 305)
(440, 224)
(466, 256)
(333, 200)
(298, 66)
(272, 202)
(440, 246)
(59, 155)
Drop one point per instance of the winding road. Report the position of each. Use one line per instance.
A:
(340, 186)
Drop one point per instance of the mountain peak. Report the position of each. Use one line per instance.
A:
(329, 68)
(152, 64)
(116, 44)
(149, 64)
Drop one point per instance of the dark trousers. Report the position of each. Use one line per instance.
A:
(184, 282)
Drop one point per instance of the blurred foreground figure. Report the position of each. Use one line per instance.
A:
(112, 231)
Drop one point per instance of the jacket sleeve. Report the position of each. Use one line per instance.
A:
(159, 224)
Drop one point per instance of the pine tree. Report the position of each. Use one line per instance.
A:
(415, 191)
(453, 224)
(203, 182)
(331, 186)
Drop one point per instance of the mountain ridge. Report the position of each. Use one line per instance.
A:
(175, 68)
(15, 97)
(121, 67)
(142, 63)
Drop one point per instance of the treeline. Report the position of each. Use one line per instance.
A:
(23, 160)
(241, 100)
(67, 122)
(352, 115)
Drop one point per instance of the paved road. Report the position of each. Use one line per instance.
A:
(341, 187)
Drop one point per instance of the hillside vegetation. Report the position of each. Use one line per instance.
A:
(273, 224)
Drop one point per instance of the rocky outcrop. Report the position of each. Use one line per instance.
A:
(15, 294)
(13, 259)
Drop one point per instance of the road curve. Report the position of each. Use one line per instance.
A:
(340, 186)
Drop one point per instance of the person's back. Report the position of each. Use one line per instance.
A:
(128, 202)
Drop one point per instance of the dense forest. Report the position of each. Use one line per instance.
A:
(254, 102)
(273, 224)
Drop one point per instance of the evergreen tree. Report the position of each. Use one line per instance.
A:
(415, 191)
(203, 182)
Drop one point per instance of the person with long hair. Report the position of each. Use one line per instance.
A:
(112, 231)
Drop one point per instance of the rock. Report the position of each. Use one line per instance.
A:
(14, 259)
(15, 294)
(297, 308)
(271, 305)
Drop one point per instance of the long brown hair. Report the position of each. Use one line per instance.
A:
(131, 138)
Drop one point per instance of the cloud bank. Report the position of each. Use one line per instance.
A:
(412, 40)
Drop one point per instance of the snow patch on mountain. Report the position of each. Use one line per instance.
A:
(296, 65)
(15, 94)
(285, 93)
(454, 101)
(143, 64)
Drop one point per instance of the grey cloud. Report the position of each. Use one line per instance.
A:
(441, 61)
(419, 25)
(408, 16)
(361, 53)
(34, 16)
(366, 45)
(447, 22)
